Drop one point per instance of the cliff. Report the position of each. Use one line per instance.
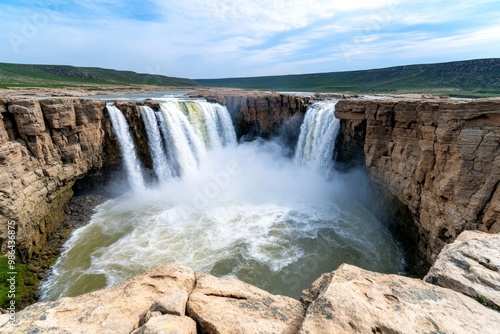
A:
(45, 145)
(441, 158)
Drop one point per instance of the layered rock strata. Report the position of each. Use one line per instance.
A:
(175, 299)
(441, 158)
(45, 145)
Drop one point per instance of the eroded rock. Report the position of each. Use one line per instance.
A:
(168, 324)
(359, 301)
(231, 306)
(113, 310)
(470, 265)
(441, 158)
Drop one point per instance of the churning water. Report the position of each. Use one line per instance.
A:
(244, 211)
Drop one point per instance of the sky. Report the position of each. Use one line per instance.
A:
(236, 38)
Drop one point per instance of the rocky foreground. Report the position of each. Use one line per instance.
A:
(175, 299)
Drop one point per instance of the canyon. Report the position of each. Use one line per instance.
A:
(436, 158)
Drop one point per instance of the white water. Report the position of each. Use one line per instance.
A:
(190, 129)
(318, 133)
(243, 211)
(161, 165)
(131, 162)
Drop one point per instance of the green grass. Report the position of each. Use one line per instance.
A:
(482, 300)
(26, 285)
(472, 78)
(59, 76)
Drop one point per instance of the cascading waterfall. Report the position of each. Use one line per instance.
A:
(318, 133)
(161, 166)
(132, 165)
(190, 129)
(244, 211)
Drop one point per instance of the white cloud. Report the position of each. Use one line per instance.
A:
(199, 38)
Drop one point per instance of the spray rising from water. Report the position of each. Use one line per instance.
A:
(247, 212)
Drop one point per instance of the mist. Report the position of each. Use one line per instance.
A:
(249, 212)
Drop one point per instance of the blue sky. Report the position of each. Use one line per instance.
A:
(236, 38)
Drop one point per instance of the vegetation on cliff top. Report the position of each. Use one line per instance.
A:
(19, 75)
(474, 78)
(471, 78)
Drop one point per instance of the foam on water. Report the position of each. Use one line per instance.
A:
(247, 212)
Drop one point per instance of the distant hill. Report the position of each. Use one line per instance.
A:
(19, 75)
(475, 78)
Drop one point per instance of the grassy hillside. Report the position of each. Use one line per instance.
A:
(18, 75)
(477, 78)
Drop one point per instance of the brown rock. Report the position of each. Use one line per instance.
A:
(168, 324)
(231, 306)
(45, 145)
(359, 301)
(114, 310)
(470, 265)
(441, 158)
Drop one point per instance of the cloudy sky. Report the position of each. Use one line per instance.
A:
(234, 38)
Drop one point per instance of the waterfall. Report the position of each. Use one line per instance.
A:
(191, 128)
(318, 132)
(132, 165)
(161, 165)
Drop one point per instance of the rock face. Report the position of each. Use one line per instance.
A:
(257, 113)
(440, 158)
(175, 299)
(352, 300)
(44, 146)
(470, 265)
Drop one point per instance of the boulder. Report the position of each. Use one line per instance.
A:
(359, 301)
(173, 303)
(231, 306)
(470, 265)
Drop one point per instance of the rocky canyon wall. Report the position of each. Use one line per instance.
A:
(441, 158)
(45, 145)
